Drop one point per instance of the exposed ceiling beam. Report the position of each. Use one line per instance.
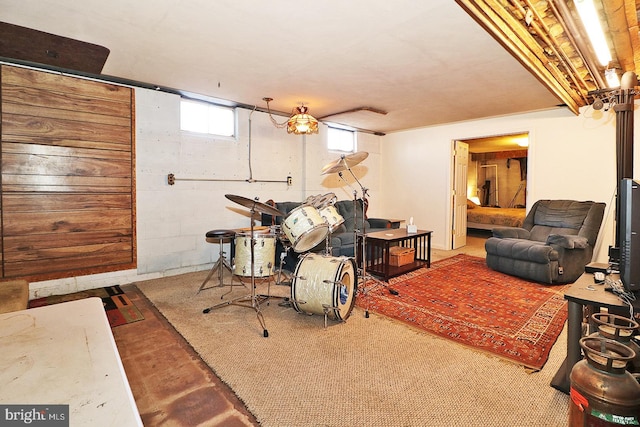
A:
(548, 39)
(521, 30)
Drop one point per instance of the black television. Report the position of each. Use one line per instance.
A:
(629, 229)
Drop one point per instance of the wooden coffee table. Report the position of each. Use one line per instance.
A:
(378, 256)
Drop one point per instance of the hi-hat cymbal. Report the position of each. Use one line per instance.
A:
(254, 204)
(345, 162)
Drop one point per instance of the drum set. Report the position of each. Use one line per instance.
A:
(321, 283)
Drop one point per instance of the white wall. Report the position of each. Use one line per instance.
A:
(406, 173)
(570, 157)
(172, 219)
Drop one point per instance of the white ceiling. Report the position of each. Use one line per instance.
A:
(423, 62)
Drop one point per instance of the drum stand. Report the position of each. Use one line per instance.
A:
(363, 275)
(328, 250)
(287, 280)
(252, 301)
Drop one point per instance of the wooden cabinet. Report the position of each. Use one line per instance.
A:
(68, 181)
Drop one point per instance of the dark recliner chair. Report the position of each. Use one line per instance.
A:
(553, 245)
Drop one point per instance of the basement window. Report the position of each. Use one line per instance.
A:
(340, 139)
(202, 117)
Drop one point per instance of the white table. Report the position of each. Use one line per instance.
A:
(65, 354)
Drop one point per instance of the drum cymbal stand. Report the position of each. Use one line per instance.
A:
(250, 301)
(361, 263)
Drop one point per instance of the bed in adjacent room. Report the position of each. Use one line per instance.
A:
(486, 218)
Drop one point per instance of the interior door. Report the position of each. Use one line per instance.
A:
(460, 168)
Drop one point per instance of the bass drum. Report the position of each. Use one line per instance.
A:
(322, 280)
(264, 254)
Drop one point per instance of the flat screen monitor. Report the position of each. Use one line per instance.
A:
(629, 229)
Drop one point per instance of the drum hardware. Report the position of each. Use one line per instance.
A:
(325, 309)
(346, 162)
(286, 302)
(281, 271)
(252, 300)
(333, 219)
(366, 276)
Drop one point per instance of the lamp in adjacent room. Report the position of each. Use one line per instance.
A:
(300, 122)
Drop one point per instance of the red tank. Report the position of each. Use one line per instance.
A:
(603, 393)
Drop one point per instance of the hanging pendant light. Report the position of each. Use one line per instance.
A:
(300, 122)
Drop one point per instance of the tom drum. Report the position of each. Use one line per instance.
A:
(331, 217)
(324, 281)
(305, 228)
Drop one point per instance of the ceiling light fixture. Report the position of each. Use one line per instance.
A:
(300, 122)
(593, 27)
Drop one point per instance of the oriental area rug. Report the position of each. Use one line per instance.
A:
(117, 305)
(461, 299)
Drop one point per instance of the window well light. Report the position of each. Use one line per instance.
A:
(591, 23)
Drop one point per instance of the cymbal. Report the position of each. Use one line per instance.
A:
(254, 204)
(345, 162)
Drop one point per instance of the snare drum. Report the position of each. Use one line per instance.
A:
(305, 228)
(322, 280)
(264, 254)
(258, 229)
(331, 217)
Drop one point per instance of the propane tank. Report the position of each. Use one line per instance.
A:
(603, 393)
(620, 329)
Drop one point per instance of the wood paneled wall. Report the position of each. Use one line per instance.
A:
(68, 184)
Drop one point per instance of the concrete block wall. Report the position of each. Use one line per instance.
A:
(172, 219)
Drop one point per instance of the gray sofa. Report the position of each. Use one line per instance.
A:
(342, 239)
(554, 244)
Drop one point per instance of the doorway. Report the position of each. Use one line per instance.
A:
(496, 178)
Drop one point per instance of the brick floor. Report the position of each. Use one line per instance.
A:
(171, 385)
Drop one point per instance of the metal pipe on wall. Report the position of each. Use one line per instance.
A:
(171, 178)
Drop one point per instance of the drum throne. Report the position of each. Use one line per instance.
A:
(219, 237)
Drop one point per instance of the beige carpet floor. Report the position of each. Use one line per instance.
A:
(363, 372)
